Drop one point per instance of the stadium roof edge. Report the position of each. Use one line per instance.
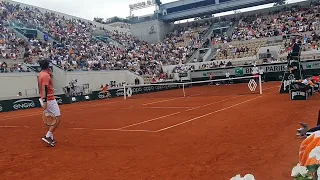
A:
(209, 9)
(108, 27)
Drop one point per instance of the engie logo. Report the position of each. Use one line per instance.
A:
(58, 99)
(23, 104)
(1, 109)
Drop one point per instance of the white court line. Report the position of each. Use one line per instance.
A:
(166, 107)
(81, 107)
(91, 129)
(176, 98)
(9, 126)
(161, 101)
(193, 119)
(77, 106)
(168, 115)
(150, 120)
(149, 131)
(123, 130)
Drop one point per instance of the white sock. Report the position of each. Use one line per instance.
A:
(49, 134)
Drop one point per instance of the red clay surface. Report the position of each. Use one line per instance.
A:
(214, 134)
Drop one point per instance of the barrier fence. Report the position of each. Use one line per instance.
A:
(33, 102)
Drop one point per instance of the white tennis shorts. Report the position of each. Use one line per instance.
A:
(53, 107)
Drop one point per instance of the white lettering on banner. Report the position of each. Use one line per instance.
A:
(298, 93)
(129, 91)
(1, 109)
(73, 99)
(148, 88)
(274, 68)
(101, 95)
(58, 99)
(136, 90)
(313, 65)
(288, 82)
(23, 104)
(120, 92)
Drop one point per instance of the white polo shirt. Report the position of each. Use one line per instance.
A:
(255, 70)
(227, 74)
(261, 71)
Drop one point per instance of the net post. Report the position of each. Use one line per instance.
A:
(124, 91)
(184, 93)
(260, 84)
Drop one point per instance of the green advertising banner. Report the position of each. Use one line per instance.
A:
(238, 71)
(27, 103)
(19, 104)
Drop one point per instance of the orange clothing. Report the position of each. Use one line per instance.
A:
(45, 80)
(316, 79)
(306, 147)
(104, 89)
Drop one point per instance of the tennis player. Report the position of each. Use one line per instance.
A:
(50, 104)
(105, 91)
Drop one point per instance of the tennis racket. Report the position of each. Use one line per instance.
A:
(48, 117)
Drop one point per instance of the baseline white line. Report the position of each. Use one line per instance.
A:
(90, 129)
(9, 126)
(67, 109)
(168, 115)
(193, 119)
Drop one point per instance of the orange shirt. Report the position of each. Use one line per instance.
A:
(43, 80)
(316, 79)
(104, 89)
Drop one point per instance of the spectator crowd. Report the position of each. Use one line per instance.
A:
(71, 44)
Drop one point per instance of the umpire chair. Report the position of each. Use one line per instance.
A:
(294, 69)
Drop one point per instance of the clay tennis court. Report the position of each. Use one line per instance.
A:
(215, 134)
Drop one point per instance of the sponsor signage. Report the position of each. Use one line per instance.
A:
(271, 70)
(58, 99)
(312, 65)
(152, 30)
(267, 69)
(183, 74)
(299, 95)
(23, 104)
(26, 103)
(102, 95)
(19, 104)
(141, 5)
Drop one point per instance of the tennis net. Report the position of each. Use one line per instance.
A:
(219, 87)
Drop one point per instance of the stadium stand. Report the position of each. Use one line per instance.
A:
(73, 45)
